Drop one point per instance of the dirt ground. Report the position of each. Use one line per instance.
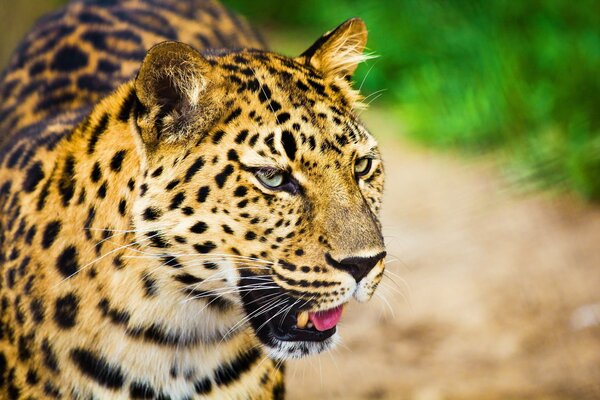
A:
(491, 294)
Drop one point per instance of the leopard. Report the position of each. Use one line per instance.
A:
(182, 210)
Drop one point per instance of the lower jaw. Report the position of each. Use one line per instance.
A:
(287, 350)
(303, 335)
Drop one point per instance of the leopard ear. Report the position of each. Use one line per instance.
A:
(179, 93)
(339, 51)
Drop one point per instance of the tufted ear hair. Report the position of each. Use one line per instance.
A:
(179, 93)
(338, 52)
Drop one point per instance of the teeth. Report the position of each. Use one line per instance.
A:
(302, 319)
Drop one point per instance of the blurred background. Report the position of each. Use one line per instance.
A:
(489, 117)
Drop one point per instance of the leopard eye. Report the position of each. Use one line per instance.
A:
(362, 166)
(271, 178)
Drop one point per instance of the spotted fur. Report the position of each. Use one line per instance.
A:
(133, 225)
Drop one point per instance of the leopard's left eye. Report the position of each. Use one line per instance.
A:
(362, 166)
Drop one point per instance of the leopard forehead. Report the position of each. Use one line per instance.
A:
(278, 113)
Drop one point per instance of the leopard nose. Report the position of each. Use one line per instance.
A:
(357, 266)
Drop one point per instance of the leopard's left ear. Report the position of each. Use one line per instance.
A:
(338, 52)
(180, 92)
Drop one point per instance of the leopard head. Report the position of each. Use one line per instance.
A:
(262, 183)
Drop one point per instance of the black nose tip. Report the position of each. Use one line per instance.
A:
(358, 267)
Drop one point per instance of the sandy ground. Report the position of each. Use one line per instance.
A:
(490, 294)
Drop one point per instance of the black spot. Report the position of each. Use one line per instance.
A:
(34, 175)
(317, 86)
(210, 265)
(203, 386)
(171, 261)
(3, 367)
(150, 288)
(278, 391)
(232, 155)
(157, 172)
(66, 183)
(240, 191)
(217, 136)
(177, 200)
(127, 105)
(96, 132)
(157, 240)
(96, 172)
(301, 86)
(117, 317)
(98, 368)
(51, 390)
(250, 235)
(241, 137)
(122, 207)
(221, 177)
(283, 117)
(50, 233)
(68, 59)
(117, 161)
(30, 234)
(234, 114)
(141, 390)
(67, 263)
(227, 229)
(32, 378)
(230, 372)
(24, 347)
(188, 279)
(180, 239)
(151, 214)
(118, 261)
(274, 106)
(203, 193)
(65, 311)
(102, 190)
(199, 227)
(205, 247)
(287, 265)
(195, 167)
(5, 189)
(253, 140)
(289, 144)
(87, 225)
(171, 185)
(264, 94)
(49, 357)
(187, 210)
(37, 309)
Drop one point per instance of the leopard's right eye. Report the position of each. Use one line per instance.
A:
(271, 178)
(276, 179)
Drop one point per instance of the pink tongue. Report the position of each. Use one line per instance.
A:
(327, 319)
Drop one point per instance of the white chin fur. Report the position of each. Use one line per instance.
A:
(293, 350)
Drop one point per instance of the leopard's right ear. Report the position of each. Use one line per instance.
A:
(179, 92)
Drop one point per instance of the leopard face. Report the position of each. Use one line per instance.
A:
(261, 186)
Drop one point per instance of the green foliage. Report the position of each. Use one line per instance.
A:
(518, 76)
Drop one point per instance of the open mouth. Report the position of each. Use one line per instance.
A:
(276, 315)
